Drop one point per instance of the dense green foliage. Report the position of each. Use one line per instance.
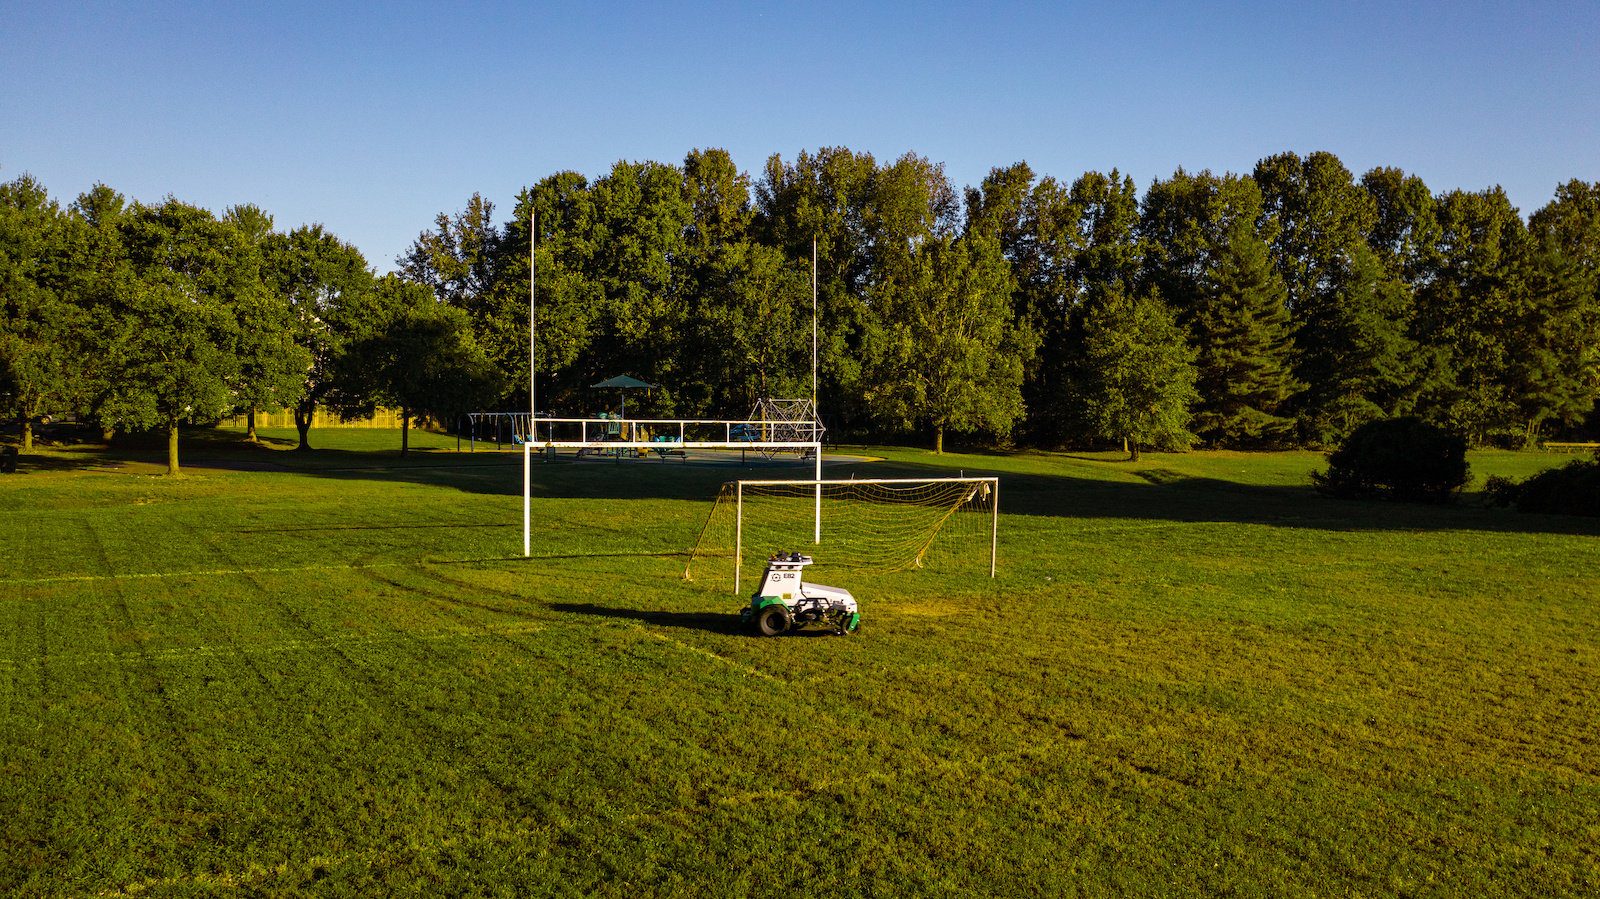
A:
(1572, 489)
(1192, 676)
(1401, 458)
(1312, 301)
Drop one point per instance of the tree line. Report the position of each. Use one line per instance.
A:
(143, 317)
(1284, 307)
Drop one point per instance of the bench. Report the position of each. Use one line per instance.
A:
(1570, 447)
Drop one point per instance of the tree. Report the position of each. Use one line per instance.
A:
(39, 327)
(1206, 257)
(327, 286)
(569, 298)
(1082, 245)
(456, 259)
(953, 355)
(96, 274)
(1405, 230)
(1562, 366)
(1349, 313)
(1137, 376)
(749, 334)
(1240, 328)
(271, 363)
(1474, 294)
(823, 198)
(423, 359)
(641, 217)
(172, 335)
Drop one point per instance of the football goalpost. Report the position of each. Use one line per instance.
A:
(882, 524)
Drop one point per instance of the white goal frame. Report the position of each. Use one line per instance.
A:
(819, 483)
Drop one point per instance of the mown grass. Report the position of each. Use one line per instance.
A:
(334, 675)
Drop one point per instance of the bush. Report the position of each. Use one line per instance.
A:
(1572, 489)
(1400, 458)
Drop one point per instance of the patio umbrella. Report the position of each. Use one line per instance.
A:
(624, 383)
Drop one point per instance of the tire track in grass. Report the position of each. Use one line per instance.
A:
(516, 797)
(127, 827)
(27, 741)
(327, 772)
(123, 614)
(436, 738)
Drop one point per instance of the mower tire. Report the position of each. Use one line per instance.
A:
(774, 620)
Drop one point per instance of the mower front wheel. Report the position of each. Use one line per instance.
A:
(774, 620)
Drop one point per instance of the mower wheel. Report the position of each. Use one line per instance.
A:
(774, 620)
(849, 623)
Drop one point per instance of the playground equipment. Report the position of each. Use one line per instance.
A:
(793, 422)
(784, 601)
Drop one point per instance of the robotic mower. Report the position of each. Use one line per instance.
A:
(784, 602)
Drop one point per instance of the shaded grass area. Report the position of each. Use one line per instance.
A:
(1193, 676)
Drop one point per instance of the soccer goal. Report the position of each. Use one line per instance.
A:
(883, 524)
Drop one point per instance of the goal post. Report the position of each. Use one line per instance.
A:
(880, 524)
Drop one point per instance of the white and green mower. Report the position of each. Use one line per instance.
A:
(784, 602)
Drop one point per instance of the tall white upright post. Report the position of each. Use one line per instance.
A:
(533, 396)
(994, 529)
(738, 533)
(527, 498)
(816, 411)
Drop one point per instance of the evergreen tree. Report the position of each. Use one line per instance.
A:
(1353, 359)
(1563, 367)
(1348, 312)
(1475, 293)
(1240, 329)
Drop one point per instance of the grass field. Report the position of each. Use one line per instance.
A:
(331, 674)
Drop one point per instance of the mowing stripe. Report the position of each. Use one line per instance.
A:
(204, 572)
(230, 572)
(203, 651)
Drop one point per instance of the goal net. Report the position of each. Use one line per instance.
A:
(880, 524)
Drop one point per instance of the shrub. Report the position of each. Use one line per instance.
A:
(1400, 458)
(1572, 489)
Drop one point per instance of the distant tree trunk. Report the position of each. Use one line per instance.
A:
(302, 423)
(250, 425)
(938, 440)
(27, 433)
(405, 429)
(1131, 447)
(172, 447)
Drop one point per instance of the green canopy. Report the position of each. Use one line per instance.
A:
(624, 383)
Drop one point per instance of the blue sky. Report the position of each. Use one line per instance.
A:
(373, 118)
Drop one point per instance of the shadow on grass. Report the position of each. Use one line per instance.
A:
(727, 623)
(710, 622)
(1087, 486)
